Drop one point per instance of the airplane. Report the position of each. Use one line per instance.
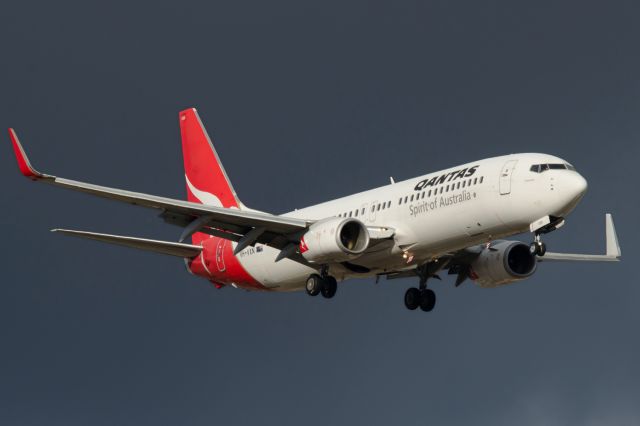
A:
(453, 220)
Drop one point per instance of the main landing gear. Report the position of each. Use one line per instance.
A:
(422, 297)
(425, 299)
(326, 286)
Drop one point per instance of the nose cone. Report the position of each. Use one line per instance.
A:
(574, 186)
(578, 186)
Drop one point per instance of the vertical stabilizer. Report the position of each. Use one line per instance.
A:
(207, 181)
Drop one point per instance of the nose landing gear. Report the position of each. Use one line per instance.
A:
(541, 226)
(537, 247)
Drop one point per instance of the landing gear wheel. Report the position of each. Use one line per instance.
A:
(412, 299)
(427, 300)
(314, 285)
(542, 249)
(538, 248)
(329, 287)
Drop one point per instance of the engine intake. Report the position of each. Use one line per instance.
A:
(334, 240)
(504, 263)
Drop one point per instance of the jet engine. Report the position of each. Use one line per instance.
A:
(334, 240)
(503, 263)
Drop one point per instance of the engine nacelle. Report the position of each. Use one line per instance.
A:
(334, 240)
(505, 262)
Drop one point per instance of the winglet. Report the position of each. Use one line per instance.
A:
(613, 247)
(23, 161)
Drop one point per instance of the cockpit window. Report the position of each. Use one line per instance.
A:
(539, 168)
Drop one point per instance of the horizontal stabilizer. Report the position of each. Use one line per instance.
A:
(613, 252)
(163, 247)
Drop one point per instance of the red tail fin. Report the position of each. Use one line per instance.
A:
(207, 182)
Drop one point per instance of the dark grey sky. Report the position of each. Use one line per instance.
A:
(308, 102)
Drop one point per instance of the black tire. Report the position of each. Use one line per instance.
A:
(329, 287)
(542, 249)
(538, 248)
(427, 300)
(533, 248)
(412, 299)
(314, 285)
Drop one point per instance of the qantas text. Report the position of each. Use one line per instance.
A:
(437, 180)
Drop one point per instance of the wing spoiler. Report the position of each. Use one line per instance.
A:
(612, 254)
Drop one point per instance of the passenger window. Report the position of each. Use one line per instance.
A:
(356, 215)
(481, 179)
(362, 213)
(429, 195)
(475, 181)
(349, 214)
(400, 201)
(411, 197)
(441, 189)
(464, 183)
(447, 190)
(405, 199)
(458, 185)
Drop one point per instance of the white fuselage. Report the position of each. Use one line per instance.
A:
(435, 214)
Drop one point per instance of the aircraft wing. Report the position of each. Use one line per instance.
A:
(459, 263)
(612, 253)
(163, 247)
(245, 227)
(232, 224)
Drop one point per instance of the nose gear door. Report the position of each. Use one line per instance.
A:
(505, 177)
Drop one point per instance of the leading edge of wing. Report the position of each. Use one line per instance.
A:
(246, 218)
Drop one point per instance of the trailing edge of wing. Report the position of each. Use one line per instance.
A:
(613, 252)
(163, 247)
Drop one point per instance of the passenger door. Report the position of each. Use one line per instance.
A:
(505, 177)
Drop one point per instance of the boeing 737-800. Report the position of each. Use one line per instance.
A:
(452, 220)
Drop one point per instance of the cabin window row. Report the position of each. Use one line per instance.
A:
(361, 211)
(444, 188)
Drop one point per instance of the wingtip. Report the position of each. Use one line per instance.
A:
(24, 164)
(613, 245)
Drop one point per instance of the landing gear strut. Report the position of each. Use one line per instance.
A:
(325, 285)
